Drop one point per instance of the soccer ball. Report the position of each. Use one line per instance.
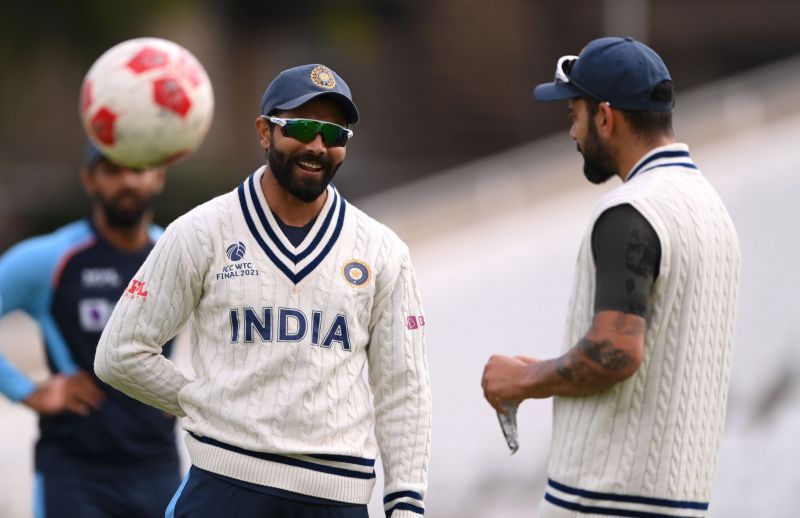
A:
(146, 103)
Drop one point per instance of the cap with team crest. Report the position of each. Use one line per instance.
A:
(296, 86)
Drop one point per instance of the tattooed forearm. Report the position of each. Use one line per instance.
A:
(564, 370)
(610, 352)
(575, 366)
(572, 369)
(629, 325)
(604, 354)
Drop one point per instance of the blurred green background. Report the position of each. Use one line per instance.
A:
(439, 82)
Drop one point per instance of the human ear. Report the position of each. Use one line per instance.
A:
(605, 119)
(264, 133)
(87, 181)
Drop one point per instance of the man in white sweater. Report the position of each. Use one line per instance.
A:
(291, 291)
(640, 393)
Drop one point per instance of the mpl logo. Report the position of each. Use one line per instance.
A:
(100, 278)
(136, 289)
(236, 251)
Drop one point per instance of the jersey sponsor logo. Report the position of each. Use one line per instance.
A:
(100, 278)
(288, 325)
(93, 314)
(136, 289)
(356, 273)
(237, 270)
(415, 321)
(236, 251)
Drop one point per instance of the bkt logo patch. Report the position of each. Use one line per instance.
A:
(236, 251)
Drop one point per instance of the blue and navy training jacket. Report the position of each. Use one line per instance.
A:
(69, 282)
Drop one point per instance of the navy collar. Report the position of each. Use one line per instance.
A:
(296, 263)
(674, 155)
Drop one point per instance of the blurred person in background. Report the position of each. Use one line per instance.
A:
(100, 453)
(640, 394)
(291, 291)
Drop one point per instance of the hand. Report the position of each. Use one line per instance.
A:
(527, 360)
(503, 379)
(77, 393)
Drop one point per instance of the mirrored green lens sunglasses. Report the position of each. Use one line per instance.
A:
(306, 130)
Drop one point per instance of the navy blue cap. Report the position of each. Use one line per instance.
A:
(296, 86)
(620, 71)
(92, 155)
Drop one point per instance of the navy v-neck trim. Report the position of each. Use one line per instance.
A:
(288, 262)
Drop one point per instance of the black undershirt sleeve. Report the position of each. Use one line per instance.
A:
(627, 254)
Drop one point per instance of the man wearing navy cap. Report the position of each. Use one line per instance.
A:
(99, 452)
(640, 393)
(291, 290)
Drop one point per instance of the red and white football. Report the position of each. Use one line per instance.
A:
(146, 103)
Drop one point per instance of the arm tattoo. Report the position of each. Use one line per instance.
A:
(563, 369)
(604, 354)
(575, 369)
(572, 369)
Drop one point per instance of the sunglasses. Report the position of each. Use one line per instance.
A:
(306, 130)
(563, 68)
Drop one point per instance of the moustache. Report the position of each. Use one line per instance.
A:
(306, 156)
(127, 194)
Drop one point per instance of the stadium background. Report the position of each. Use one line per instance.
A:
(481, 181)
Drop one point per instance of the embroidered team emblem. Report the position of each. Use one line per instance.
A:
(356, 273)
(236, 251)
(322, 76)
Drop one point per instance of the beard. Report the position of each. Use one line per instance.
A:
(598, 165)
(125, 217)
(304, 189)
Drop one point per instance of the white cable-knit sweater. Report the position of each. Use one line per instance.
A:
(279, 338)
(650, 443)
